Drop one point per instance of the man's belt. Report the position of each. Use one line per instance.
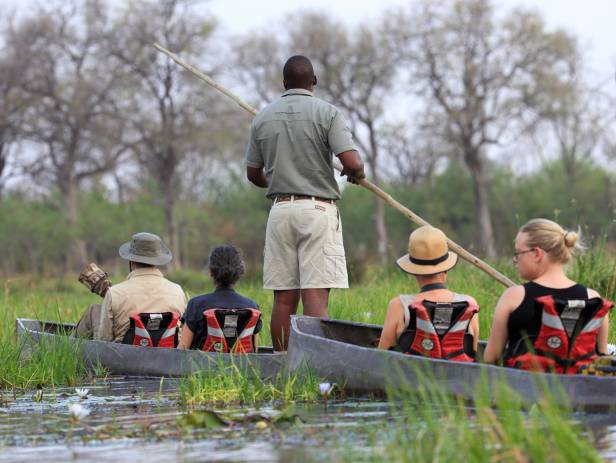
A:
(282, 198)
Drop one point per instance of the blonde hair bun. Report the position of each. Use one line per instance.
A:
(570, 238)
(560, 244)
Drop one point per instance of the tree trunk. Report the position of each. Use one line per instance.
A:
(3, 158)
(482, 204)
(379, 221)
(382, 240)
(171, 225)
(77, 256)
(381, 230)
(570, 169)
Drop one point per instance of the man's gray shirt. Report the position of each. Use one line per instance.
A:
(294, 139)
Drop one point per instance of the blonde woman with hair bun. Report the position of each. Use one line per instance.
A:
(550, 323)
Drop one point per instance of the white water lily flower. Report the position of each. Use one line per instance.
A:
(78, 412)
(325, 388)
(82, 392)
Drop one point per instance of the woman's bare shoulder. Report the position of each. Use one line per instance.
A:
(512, 297)
(592, 293)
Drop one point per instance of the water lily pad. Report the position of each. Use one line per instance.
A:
(287, 415)
(203, 419)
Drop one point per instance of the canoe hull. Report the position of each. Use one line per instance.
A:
(144, 361)
(345, 353)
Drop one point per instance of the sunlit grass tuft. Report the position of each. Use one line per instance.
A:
(52, 362)
(227, 385)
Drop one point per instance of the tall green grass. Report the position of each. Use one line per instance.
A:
(52, 362)
(64, 299)
(597, 270)
(431, 425)
(231, 385)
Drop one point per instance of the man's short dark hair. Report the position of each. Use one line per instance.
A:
(298, 72)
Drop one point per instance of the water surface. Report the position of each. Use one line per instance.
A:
(137, 419)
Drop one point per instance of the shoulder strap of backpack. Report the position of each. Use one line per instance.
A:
(406, 300)
(459, 298)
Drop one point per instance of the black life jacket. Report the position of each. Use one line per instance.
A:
(567, 337)
(438, 329)
(231, 330)
(153, 330)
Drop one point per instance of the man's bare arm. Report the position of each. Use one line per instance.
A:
(256, 176)
(353, 166)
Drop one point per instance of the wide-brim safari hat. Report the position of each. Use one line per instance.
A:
(146, 248)
(428, 253)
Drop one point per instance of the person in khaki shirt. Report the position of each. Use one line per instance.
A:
(145, 290)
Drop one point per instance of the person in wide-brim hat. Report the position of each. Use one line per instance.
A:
(145, 290)
(146, 248)
(428, 253)
(428, 260)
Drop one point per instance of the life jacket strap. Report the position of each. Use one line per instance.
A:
(455, 354)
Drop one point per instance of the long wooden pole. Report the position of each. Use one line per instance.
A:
(463, 253)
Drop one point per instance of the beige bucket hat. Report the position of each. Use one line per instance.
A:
(428, 253)
(146, 248)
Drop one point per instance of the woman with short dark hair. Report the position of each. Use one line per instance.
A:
(226, 266)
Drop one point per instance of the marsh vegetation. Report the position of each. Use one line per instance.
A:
(422, 424)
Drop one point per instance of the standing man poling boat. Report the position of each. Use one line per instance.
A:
(290, 153)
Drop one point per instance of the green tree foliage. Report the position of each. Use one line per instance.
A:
(114, 138)
(31, 238)
(32, 241)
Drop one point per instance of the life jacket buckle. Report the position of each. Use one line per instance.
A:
(576, 304)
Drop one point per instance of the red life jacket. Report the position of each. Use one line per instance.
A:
(153, 330)
(565, 342)
(237, 333)
(444, 335)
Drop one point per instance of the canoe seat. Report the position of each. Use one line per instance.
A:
(341, 331)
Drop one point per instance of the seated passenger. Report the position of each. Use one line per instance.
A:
(125, 308)
(435, 323)
(235, 318)
(550, 323)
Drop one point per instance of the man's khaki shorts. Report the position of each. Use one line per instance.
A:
(303, 246)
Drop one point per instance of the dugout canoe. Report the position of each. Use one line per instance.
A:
(345, 353)
(145, 361)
